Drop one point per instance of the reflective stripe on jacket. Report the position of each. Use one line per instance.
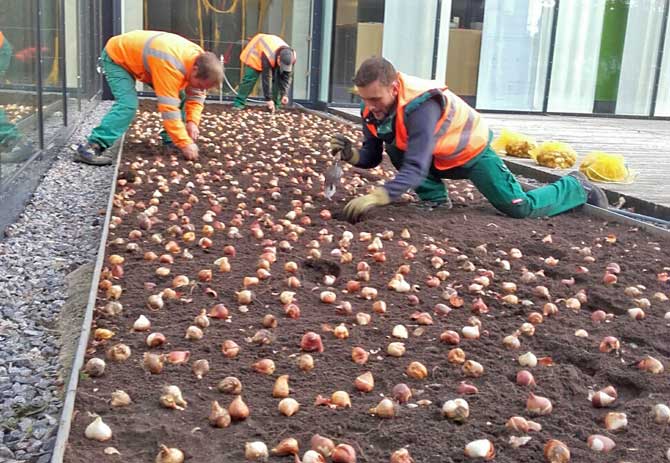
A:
(262, 44)
(164, 61)
(461, 133)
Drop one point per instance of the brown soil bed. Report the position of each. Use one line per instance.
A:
(276, 148)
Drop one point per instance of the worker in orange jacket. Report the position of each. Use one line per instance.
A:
(179, 72)
(430, 134)
(267, 55)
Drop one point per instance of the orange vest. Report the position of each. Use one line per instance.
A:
(2, 39)
(461, 133)
(262, 44)
(164, 61)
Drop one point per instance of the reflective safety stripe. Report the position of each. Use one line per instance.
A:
(147, 51)
(466, 133)
(168, 100)
(199, 99)
(268, 51)
(171, 115)
(448, 120)
(174, 61)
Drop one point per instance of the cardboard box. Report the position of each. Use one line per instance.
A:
(463, 61)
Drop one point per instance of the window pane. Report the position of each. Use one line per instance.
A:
(638, 69)
(18, 77)
(515, 54)
(224, 27)
(358, 35)
(663, 99)
(52, 63)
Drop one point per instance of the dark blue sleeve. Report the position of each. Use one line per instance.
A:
(370, 154)
(421, 141)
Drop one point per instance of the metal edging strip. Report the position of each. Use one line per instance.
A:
(65, 421)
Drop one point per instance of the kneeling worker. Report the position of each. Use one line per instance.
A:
(179, 72)
(268, 55)
(431, 134)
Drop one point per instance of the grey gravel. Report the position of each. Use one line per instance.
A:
(58, 232)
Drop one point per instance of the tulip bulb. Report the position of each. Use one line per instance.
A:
(396, 349)
(401, 456)
(172, 398)
(200, 368)
(98, 430)
(120, 399)
(482, 448)
(556, 451)
(343, 453)
(142, 324)
(264, 366)
(401, 393)
(599, 443)
(219, 416)
(153, 363)
(281, 389)
(118, 353)
(651, 365)
(255, 451)
(417, 370)
(365, 382)
(525, 378)
(322, 445)
(230, 385)
(95, 367)
(457, 410)
(473, 369)
(311, 342)
(169, 455)
(288, 406)
(306, 362)
(384, 409)
(538, 405)
(312, 456)
(288, 446)
(340, 399)
(602, 399)
(661, 414)
(528, 360)
(238, 409)
(615, 421)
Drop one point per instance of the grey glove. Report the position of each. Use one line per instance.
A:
(343, 145)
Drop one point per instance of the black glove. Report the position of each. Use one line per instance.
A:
(341, 144)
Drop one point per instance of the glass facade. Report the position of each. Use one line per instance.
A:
(48, 80)
(224, 27)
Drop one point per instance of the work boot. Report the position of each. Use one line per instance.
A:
(90, 153)
(432, 205)
(595, 196)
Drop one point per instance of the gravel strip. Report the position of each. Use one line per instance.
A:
(58, 232)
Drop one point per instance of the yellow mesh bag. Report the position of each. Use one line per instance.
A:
(513, 144)
(554, 154)
(607, 168)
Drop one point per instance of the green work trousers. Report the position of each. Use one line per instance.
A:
(119, 117)
(494, 180)
(247, 85)
(8, 132)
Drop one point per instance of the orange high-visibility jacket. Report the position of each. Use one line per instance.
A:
(262, 44)
(461, 133)
(2, 39)
(164, 61)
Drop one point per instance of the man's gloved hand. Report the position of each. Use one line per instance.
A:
(359, 206)
(341, 144)
(271, 106)
(192, 130)
(190, 152)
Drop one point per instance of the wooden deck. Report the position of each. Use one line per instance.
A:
(645, 144)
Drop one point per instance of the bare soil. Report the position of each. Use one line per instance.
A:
(244, 154)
